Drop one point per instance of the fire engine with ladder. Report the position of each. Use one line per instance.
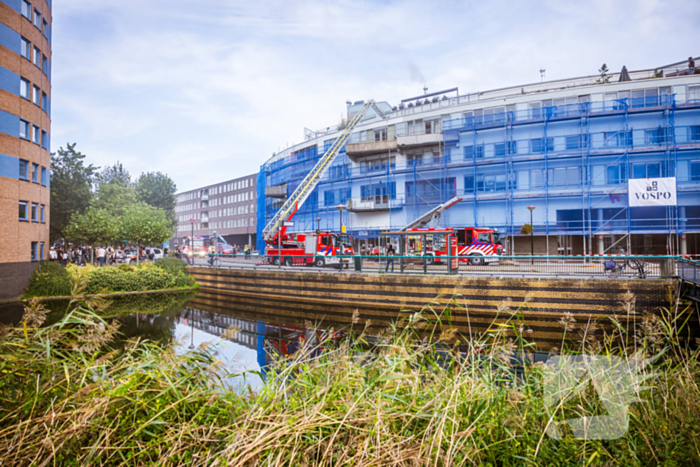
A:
(318, 248)
(475, 245)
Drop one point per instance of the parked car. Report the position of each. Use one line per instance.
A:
(226, 250)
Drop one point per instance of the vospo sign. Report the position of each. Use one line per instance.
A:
(652, 192)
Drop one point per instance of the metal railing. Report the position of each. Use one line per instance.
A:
(627, 267)
(689, 270)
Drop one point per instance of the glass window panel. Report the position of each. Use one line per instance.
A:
(653, 170)
(536, 178)
(639, 171)
(23, 210)
(695, 171)
(24, 88)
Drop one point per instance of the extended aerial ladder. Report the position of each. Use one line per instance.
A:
(276, 225)
(431, 217)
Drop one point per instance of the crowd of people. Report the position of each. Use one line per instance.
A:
(102, 255)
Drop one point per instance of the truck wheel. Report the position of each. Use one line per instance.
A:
(276, 261)
(429, 260)
(476, 260)
(288, 261)
(320, 262)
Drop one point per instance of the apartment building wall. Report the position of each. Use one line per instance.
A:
(25, 128)
(227, 208)
(569, 151)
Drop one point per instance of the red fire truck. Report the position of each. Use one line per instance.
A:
(476, 246)
(310, 249)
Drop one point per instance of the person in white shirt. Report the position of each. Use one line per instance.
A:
(101, 255)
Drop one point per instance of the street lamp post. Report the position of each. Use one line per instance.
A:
(340, 209)
(532, 236)
(191, 252)
(340, 231)
(318, 225)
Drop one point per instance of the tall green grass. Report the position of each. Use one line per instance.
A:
(69, 395)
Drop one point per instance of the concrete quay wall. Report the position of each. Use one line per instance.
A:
(383, 298)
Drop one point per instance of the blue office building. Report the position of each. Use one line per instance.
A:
(563, 151)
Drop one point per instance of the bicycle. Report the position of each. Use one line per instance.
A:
(214, 261)
(613, 269)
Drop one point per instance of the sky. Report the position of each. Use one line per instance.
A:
(206, 91)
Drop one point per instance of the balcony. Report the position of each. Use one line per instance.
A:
(357, 150)
(373, 203)
(414, 141)
(277, 191)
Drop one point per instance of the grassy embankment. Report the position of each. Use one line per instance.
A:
(76, 393)
(52, 280)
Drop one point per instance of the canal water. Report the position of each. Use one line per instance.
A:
(244, 334)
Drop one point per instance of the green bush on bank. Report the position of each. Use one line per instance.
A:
(172, 265)
(52, 280)
(48, 280)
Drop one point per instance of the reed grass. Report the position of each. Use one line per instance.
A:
(72, 393)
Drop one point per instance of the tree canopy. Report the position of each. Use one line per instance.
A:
(71, 183)
(116, 209)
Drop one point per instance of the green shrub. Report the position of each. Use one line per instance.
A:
(125, 267)
(134, 279)
(172, 265)
(48, 280)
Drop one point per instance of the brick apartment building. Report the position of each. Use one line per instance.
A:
(227, 208)
(25, 123)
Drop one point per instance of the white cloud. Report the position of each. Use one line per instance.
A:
(206, 91)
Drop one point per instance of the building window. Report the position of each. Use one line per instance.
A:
(41, 251)
(576, 142)
(23, 169)
(44, 140)
(536, 178)
(45, 29)
(537, 145)
(34, 252)
(657, 136)
(24, 88)
(379, 135)
(23, 214)
(695, 171)
(43, 210)
(36, 95)
(37, 19)
(23, 129)
(35, 212)
(37, 57)
(45, 66)
(35, 173)
(468, 184)
(37, 135)
(615, 174)
(44, 102)
(27, 9)
(328, 198)
(25, 49)
(507, 147)
(694, 133)
(473, 151)
(44, 176)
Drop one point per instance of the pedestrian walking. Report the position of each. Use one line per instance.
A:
(390, 252)
(101, 255)
(691, 65)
